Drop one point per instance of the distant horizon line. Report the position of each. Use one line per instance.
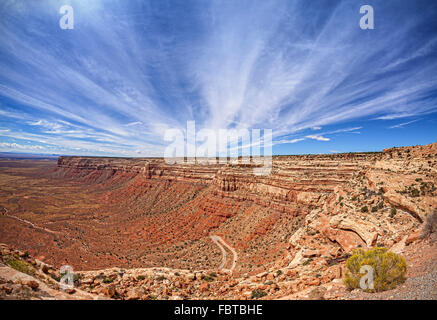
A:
(55, 155)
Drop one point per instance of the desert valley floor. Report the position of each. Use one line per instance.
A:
(126, 223)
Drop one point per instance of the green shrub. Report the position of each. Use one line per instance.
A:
(208, 278)
(107, 280)
(364, 209)
(389, 268)
(393, 212)
(307, 262)
(77, 277)
(415, 193)
(55, 277)
(20, 265)
(374, 209)
(258, 293)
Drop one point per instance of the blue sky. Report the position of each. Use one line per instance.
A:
(129, 70)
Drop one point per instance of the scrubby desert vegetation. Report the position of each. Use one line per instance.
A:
(388, 269)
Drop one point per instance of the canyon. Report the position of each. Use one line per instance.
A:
(286, 232)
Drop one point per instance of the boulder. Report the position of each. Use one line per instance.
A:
(204, 287)
(32, 284)
(308, 253)
(108, 291)
(413, 236)
(366, 230)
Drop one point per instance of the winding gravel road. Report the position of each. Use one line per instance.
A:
(220, 243)
(27, 222)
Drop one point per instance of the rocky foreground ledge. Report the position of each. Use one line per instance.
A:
(23, 277)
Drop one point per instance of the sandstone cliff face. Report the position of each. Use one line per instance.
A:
(350, 198)
(100, 169)
(294, 179)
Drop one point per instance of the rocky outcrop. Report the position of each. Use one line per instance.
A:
(23, 278)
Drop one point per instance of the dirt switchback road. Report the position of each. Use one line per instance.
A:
(220, 243)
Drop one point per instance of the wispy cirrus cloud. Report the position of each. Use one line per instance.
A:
(129, 71)
(318, 138)
(401, 125)
(15, 146)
